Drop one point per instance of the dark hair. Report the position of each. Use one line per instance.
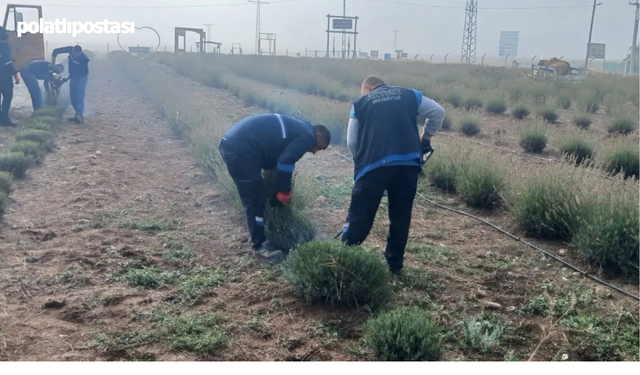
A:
(77, 49)
(3, 34)
(326, 134)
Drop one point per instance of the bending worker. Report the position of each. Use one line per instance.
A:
(39, 70)
(267, 141)
(79, 75)
(7, 71)
(387, 151)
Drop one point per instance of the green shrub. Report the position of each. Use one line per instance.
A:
(483, 334)
(623, 157)
(548, 114)
(577, 147)
(446, 122)
(148, 278)
(470, 125)
(16, 163)
(3, 201)
(563, 101)
(589, 102)
(495, 105)
(285, 226)
(443, 170)
(533, 138)
(480, 183)
(546, 205)
(608, 233)
(336, 273)
(40, 136)
(520, 111)
(48, 111)
(622, 125)
(404, 334)
(453, 98)
(199, 334)
(582, 120)
(31, 148)
(472, 102)
(5, 182)
(38, 124)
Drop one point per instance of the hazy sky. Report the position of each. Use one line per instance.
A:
(435, 27)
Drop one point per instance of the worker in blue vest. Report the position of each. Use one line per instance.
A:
(267, 141)
(35, 71)
(78, 75)
(388, 151)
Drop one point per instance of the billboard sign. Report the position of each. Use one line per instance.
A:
(597, 50)
(374, 54)
(404, 55)
(387, 56)
(137, 50)
(342, 24)
(509, 43)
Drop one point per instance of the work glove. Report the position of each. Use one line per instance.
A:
(426, 146)
(283, 197)
(17, 79)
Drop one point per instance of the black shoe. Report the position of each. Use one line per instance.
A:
(74, 119)
(395, 271)
(8, 123)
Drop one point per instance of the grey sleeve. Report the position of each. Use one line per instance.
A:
(352, 135)
(352, 132)
(435, 115)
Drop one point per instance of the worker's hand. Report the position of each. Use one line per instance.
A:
(17, 79)
(426, 146)
(284, 197)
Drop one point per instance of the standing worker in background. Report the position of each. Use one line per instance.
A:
(387, 151)
(267, 141)
(39, 70)
(79, 74)
(7, 71)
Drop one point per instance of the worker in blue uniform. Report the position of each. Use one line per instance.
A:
(267, 141)
(387, 150)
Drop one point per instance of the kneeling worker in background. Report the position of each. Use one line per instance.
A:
(387, 151)
(35, 71)
(267, 141)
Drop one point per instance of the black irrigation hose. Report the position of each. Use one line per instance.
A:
(513, 236)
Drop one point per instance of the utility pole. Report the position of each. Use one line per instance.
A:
(469, 33)
(395, 40)
(208, 25)
(344, 35)
(593, 16)
(258, 3)
(633, 68)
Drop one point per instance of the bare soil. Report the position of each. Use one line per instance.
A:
(62, 240)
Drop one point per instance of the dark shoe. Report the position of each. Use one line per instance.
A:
(265, 251)
(396, 271)
(8, 123)
(74, 119)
